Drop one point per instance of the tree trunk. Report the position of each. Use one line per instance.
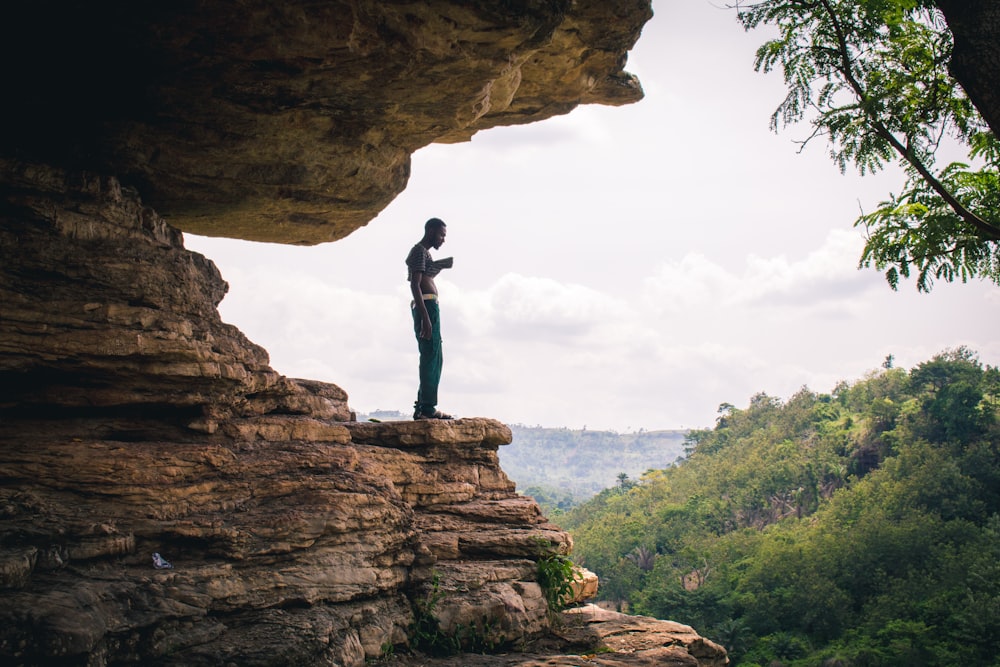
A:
(976, 59)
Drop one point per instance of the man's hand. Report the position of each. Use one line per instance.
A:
(426, 330)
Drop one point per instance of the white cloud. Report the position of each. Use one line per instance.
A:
(529, 349)
(617, 267)
(523, 307)
(824, 279)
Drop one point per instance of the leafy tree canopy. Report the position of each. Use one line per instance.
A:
(860, 527)
(871, 76)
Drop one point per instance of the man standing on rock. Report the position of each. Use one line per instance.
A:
(421, 270)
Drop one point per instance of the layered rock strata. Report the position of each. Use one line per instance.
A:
(290, 540)
(135, 422)
(293, 540)
(593, 637)
(103, 312)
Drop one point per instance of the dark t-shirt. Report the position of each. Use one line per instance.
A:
(419, 261)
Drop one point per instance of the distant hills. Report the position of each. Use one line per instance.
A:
(383, 416)
(562, 467)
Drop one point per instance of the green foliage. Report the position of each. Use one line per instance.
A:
(553, 501)
(860, 527)
(918, 231)
(386, 657)
(425, 630)
(871, 76)
(482, 637)
(426, 634)
(556, 574)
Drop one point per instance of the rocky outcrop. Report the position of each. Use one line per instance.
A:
(105, 312)
(166, 497)
(289, 540)
(292, 121)
(596, 637)
(293, 540)
(134, 423)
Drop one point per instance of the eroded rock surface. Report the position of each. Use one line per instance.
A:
(591, 636)
(293, 121)
(134, 422)
(286, 548)
(104, 312)
(165, 496)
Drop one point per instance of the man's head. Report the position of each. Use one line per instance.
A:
(434, 232)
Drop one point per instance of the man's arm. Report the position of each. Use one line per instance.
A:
(416, 278)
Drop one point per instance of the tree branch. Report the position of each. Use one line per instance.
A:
(988, 230)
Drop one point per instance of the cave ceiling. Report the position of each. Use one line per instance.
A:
(293, 121)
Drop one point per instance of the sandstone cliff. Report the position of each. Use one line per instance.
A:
(134, 422)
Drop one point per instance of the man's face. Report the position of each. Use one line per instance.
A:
(437, 236)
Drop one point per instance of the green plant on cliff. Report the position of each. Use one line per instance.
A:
(871, 76)
(426, 634)
(425, 630)
(388, 653)
(860, 527)
(556, 575)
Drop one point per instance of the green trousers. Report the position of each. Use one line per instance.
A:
(431, 358)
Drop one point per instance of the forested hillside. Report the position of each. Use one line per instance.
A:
(561, 467)
(856, 528)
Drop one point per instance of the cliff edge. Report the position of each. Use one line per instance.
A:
(168, 498)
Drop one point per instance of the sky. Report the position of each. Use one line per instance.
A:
(616, 268)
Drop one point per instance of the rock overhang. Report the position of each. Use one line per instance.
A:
(294, 122)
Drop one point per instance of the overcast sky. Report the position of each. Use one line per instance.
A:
(616, 268)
